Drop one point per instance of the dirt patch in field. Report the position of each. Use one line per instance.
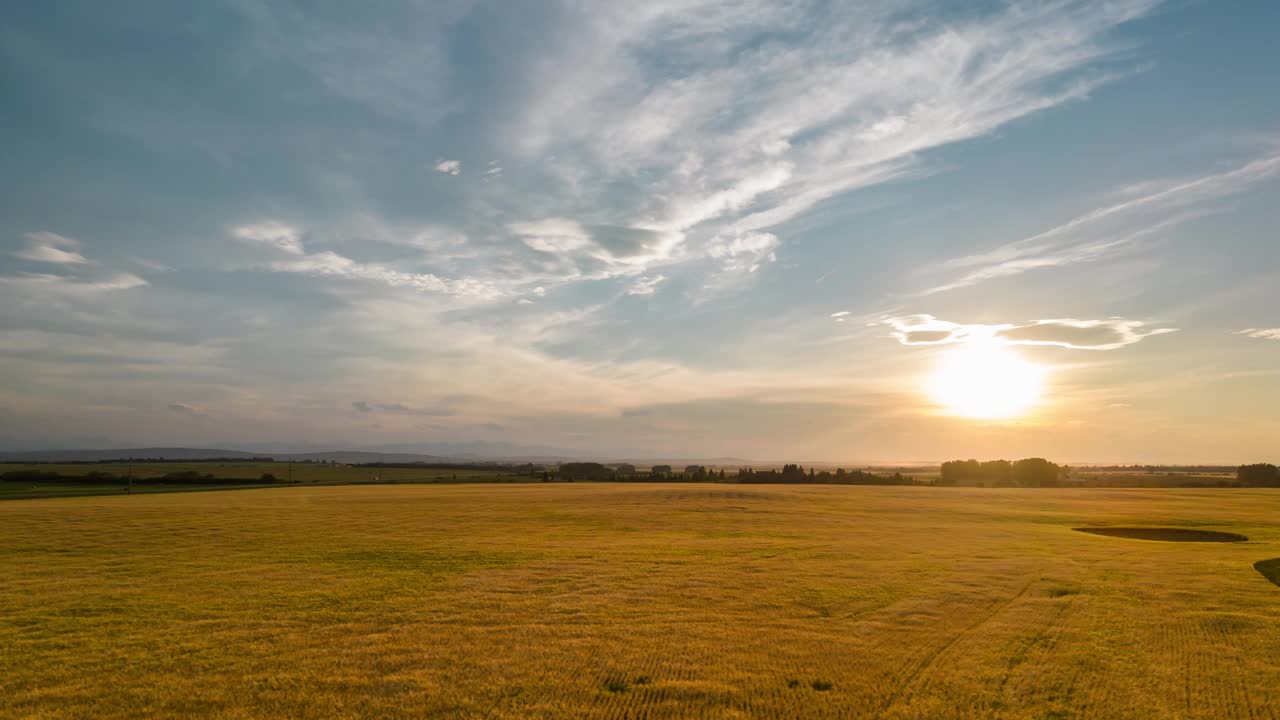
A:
(1164, 534)
(1270, 570)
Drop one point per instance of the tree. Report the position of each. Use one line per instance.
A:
(1030, 472)
(1034, 472)
(996, 472)
(584, 471)
(1258, 475)
(959, 472)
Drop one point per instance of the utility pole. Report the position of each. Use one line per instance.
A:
(130, 478)
(290, 472)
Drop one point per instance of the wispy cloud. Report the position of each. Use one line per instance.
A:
(401, 409)
(747, 134)
(273, 234)
(50, 247)
(184, 409)
(1261, 333)
(119, 281)
(616, 165)
(1108, 334)
(646, 285)
(331, 264)
(746, 251)
(1159, 206)
(577, 251)
(282, 237)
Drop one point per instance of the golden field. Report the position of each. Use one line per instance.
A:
(637, 601)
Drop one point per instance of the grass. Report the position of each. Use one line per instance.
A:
(658, 601)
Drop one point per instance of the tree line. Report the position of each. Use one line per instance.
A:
(1258, 475)
(185, 477)
(796, 475)
(1028, 472)
(790, 474)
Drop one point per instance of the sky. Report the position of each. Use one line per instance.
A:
(667, 229)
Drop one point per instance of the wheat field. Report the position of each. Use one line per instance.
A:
(638, 601)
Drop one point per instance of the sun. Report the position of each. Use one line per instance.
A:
(986, 380)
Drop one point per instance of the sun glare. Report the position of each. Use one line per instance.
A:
(986, 381)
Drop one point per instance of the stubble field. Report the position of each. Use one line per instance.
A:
(638, 601)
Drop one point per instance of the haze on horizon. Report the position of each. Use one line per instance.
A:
(882, 232)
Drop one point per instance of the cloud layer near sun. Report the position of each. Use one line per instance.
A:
(1108, 334)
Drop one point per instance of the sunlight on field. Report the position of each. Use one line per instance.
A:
(612, 601)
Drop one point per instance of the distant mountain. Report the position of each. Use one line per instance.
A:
(443, 453)
(350, 457)
(357, 457)
(161, 453)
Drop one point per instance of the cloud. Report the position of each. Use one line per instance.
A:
(1261, 333)
(1110, 229)
(71, 285)
(183, 409)
(1109, 334)
(664, 134)
(842, 313)
(554, 235)
(746, 251)
(49, 247)
(595, 252)
(273, 234)
(401, 409)
(81, 276)
(328, 263)
(646, 285)
(761, 113)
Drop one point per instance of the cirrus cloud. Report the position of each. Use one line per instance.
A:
(272, 234)
(47, 247)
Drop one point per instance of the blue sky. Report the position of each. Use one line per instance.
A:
(679, 229)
